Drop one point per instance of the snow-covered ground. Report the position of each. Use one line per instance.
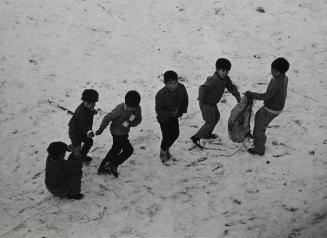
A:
(53, 50)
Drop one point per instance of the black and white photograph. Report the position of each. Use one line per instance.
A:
(163, 119)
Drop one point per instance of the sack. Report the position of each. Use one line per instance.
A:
(239, 120)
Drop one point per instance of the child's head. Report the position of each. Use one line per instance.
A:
(57, 150)
(90, 97)
(132, 100)
(171, 80)
(222, 67)
(279, 67)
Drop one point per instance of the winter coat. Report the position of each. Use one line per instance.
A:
(81, 122)
(275, 95)
(213, 89)
(118, 116)
(168, 101)
(58, 171)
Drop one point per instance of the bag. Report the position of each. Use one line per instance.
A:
(239, 120)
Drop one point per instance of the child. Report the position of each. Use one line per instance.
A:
(171, 103)
(274, 100)
(62, 177)
(122, 118)
(80, 125)
(210, 94)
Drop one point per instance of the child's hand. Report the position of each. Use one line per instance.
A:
(90, 134)
(70, 148)
(98, 132)
(125, 124)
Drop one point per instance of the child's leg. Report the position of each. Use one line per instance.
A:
(174, 132)
(261, 122)
(113, 152)
(211, 116)
(115, 148)
(88, 142)
(127, 150)
(166, 135)
(73, 184)
(76, 142)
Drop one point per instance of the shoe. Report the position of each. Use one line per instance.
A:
(196, 140)
(77, 196)
(113, 170)
(163, 156)
(211, 136)
(87, 159)
(103, 169)
(253, 151)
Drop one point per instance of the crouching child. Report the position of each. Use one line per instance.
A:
(171, 103)
(62, 177)
(122, 118)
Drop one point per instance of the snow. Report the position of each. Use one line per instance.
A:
(53, 50)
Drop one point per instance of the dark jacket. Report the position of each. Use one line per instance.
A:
(57, 172)
(213, 89)
(118, 116)
(81, 122)
(275, 95)
(167, 102)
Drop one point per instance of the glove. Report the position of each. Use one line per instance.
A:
(98, 132)
(249, 94)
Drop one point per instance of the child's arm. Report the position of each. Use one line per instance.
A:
(204, 88)
(233, 89)
(106, 120)
(138, 118)
(84, 121)
(272, 89)
(184, 104)
(160, 110)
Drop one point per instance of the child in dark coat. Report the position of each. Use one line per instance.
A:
(122, 118)
(210, 94)
(62, 177)
(80, 125)
(171, 103)
(274, 101)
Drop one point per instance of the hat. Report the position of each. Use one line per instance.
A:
(57, 148)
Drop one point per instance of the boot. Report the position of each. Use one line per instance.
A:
(104, 168)
(253, 151)
(211, 136)
(163, 156)
(77, 196)
(113, 169)
(196, 140)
